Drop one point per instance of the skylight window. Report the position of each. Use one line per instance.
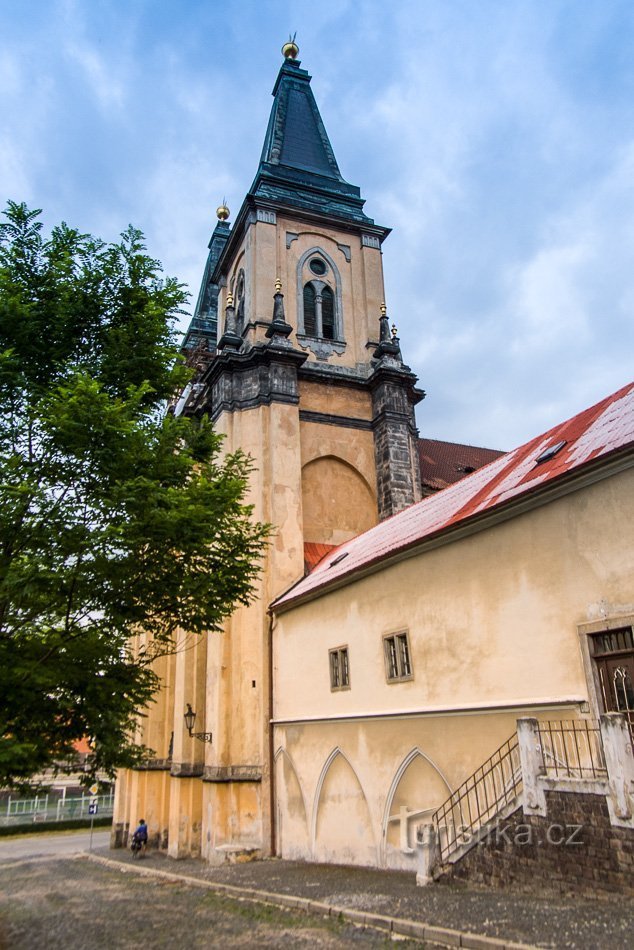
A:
(550, 452)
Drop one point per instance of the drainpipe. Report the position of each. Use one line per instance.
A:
(271, 739)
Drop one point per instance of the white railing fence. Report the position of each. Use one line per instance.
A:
(52, 807)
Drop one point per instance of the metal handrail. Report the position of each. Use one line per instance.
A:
(569, 748)
(572, 748)
(495, 784)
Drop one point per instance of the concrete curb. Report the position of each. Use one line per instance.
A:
(415, 929)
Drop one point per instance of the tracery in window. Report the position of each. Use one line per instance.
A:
(319, 310)
(319, 295)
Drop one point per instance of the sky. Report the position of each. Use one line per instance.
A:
(495, 137)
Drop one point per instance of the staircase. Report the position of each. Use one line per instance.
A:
(557, 757)
(495, 787)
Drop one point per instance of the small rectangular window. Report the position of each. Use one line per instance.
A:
(398, 664)
(339, 668)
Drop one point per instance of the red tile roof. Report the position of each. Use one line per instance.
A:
(598, 432)
(443, 463)
(314, 552)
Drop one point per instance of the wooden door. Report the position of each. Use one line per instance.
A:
(613, 653)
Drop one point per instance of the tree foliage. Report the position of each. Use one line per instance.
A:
(115, 516)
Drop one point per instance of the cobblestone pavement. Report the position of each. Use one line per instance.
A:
(540, 921)
(71, 903)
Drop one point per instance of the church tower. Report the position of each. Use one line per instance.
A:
(297, 366)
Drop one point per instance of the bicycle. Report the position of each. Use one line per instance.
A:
(138, 846)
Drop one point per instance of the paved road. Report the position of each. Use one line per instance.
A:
(42, 845)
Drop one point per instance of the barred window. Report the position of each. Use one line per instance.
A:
(339, 668)
(398, 664)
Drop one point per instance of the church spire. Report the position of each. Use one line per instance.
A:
(298, 167)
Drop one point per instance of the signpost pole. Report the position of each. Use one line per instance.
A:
(93, 808)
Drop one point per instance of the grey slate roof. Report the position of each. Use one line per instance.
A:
(298, 167)
(204, 323)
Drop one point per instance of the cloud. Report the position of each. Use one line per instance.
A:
(103, 78)
(495, 138)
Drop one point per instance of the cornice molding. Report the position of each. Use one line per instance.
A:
(329, 419)
(474, 709)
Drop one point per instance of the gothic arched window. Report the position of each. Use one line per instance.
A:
(319, 304)
(327, 313)
(310, 321)
(320, 316)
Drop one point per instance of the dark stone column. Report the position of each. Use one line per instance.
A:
(395, 436)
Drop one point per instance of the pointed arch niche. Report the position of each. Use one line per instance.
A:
(417, 789)
(342, 826)
(291, 820)
(337, 501)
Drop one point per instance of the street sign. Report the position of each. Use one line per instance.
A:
(93, 808)
(94, 788)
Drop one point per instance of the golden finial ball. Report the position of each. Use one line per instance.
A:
(278, 286)
(290, 50)
(230, 299)
(222, 212)
(383, 310)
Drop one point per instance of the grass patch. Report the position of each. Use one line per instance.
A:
(37, 827)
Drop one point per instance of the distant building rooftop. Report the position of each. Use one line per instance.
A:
(443, 463)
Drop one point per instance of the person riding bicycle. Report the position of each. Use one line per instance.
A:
(139, 838)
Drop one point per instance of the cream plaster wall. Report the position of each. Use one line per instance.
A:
(335, 399)
(338, 503)
(492, 621)
(237, 676)
(491, 618)
(354, 791)
(338, 479)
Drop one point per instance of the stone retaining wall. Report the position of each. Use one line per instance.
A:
(574, 849)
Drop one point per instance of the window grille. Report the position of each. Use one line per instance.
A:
(398, 664)
(339, 668)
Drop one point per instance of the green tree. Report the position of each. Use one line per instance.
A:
(115, 516)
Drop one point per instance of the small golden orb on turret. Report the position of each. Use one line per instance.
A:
(222, 212)
(383, 310)
(290, 50)
(278, 286)
(230, 299)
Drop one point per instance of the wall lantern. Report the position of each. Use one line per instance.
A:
(190, 719)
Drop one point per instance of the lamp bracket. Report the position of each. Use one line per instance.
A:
(202, 736)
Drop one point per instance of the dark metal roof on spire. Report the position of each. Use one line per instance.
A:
(298, 167)
(296, 135)
(204, 323)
